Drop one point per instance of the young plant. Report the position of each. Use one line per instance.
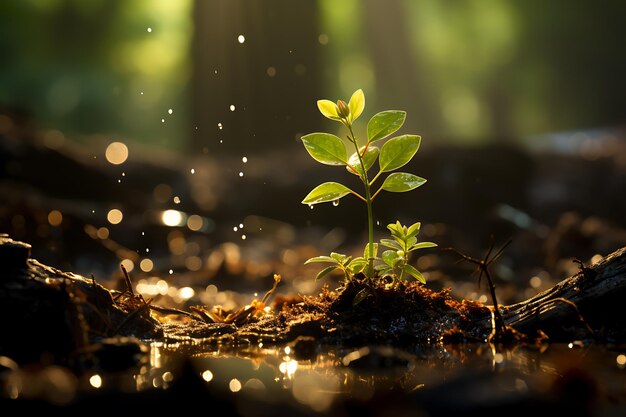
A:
(329, 149)
(344, 263)
(396, 259)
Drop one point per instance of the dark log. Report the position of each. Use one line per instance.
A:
(586, 305)
(47, 311)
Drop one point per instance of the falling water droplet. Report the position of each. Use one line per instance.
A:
(377, 222)
(193, 171)
(149, 30)
(241, 39)
(235, 229)
(232, 107)
(241, 174)
(141, 92)
(244, 159)
(243, 237)
(171, 271)
(220, 126)
(241, 225)
(170, 111)
(162, 120)
(311, 206)
(335, 203)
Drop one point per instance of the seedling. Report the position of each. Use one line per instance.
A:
(396, 259)
(396, 152)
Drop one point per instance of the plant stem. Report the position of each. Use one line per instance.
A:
(369, 270)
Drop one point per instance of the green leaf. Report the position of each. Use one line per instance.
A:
(391, 258)
(360, 296)
(328, 109)
(409, 242)
(400, 182)
(398, 151)
(384, 124)
(339, 257)
(366, 252)
(328, 191)
(368, 160)
(325, 272)
(325, 148)
(356, 104)
(387, 272)
(414, 229)
(423, 245)
(414, 273)
(357, 265)
(396, 230)
(320, 259)
(391, 244)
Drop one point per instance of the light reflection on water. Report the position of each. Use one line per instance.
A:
(478, 372)
(438, 380)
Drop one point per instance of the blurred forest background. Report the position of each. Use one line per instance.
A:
(165, 133)
(467, 72)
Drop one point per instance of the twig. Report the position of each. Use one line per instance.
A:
(129, 284)
(129, 316)
(271, 291)
(482, 267)
(166, 310)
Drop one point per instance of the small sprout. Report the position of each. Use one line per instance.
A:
(396, 259)
(395, 153)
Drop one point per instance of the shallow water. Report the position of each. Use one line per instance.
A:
(256, 381)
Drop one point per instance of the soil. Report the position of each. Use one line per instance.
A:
(401, 316)
(67, 315)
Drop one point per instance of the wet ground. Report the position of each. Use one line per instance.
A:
(188, 239)
(571, 379)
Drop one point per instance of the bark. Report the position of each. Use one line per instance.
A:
(586, 304)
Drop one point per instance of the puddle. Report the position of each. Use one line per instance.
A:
(258, 381)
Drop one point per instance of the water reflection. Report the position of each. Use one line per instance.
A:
(478, 374)
(440, 379)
